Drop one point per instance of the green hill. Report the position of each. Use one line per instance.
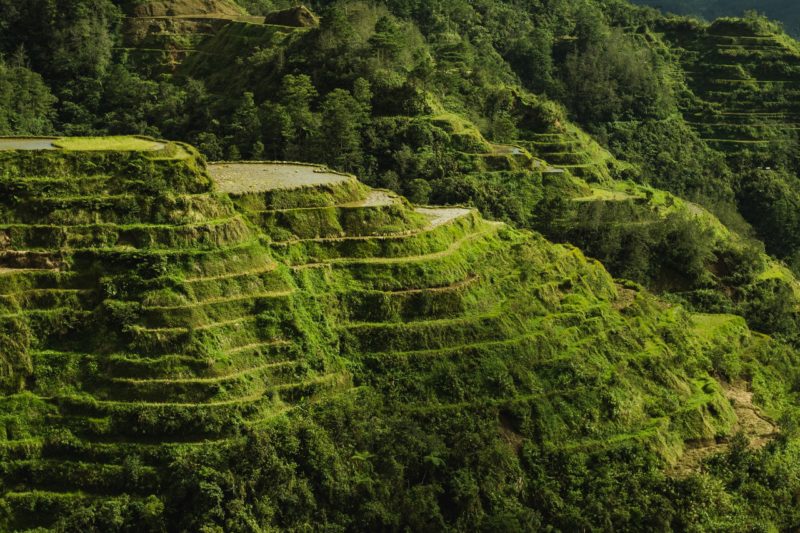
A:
(584, 316)
(154, 321)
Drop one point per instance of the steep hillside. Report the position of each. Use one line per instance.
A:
(153, 318)
(745, 82)
(741, 77)
(245, 346)
(785, 11)
(142, 316)
(159, 35)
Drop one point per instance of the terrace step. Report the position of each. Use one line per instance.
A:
(44, 299)
(407, 304)
(436, 217)
(366, 338)
(181, 366)
(65, 475)
(200, 234)
(380, 212)
(443, 226)
(203, 380)
(200, 389)
(453, 248)
(198, 315)
(212, 336)
(92, 418)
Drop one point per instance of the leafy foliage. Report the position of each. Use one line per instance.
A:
(502, 382)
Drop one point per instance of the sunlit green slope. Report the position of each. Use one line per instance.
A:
(149, 316)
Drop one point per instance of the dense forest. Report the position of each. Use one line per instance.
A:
(664, 147)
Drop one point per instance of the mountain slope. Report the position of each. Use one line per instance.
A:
(282, 346)
(150, 327)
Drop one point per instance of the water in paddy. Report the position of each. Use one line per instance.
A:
(26, 144)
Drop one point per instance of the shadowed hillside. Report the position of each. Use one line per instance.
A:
(785, 11)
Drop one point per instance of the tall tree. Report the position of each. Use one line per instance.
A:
(26, 104)
(340, 135)
(298, 123)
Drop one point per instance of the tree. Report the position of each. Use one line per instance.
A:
(504, 127)
(209, 144)
(65, 39)
(127, 103)
(362, 92)
(531, 57)
(26, 104)
(71, 54)
(340, 133)
(613, 79)
(387, 41)
(245, 125)
(419, 191)
(299, 124)
(769, 202)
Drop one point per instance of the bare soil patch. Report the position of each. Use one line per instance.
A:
(752, 422)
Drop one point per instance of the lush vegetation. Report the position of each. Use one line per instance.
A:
(174, 358)
(179, 359)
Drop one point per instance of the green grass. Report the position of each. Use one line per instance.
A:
(606, 195)
(107, 144)
(707, 327)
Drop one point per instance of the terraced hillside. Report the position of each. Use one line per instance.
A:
(477, 154)
(161, 35)
(785, 11)
(574, 151)
(148, 313)
(141, 313)
(745, 80)
(413, 291)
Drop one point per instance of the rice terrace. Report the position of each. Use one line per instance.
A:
(399, 266)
